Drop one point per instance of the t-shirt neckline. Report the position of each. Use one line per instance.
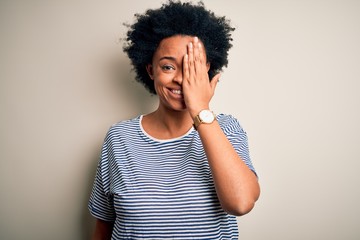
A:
(142, 130)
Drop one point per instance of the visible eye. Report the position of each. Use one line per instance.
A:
(167, 67)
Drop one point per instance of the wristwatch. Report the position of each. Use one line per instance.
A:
(205, 116)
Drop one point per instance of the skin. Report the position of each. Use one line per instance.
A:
(180, 73)
(103, 230)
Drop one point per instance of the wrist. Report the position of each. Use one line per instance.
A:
(205, 116)
(195, 111)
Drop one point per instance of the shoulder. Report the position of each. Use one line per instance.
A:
(229, 123)
(126, 123)
(124, 127)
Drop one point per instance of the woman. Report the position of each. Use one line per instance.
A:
(179, 172)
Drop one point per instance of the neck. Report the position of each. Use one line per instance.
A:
(167, 123)
(172, 119)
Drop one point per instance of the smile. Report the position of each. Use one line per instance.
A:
(176, 91)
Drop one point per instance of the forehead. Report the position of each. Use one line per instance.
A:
(175, 46)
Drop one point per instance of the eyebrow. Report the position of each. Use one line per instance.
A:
(168, 58)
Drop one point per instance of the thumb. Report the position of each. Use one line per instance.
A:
(214, 81)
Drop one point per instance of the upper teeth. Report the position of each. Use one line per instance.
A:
(176, 91)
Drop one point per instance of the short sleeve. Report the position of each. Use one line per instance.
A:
(237, 137)
(101, 203)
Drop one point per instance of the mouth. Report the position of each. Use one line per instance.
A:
(176, 91)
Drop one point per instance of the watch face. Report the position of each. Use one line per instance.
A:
(206, 116)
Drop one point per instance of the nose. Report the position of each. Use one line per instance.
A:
(178, 77)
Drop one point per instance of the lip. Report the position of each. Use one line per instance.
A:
(176, 95)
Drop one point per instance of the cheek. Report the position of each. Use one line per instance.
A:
(161, 90)
(159, 83)
(161, 78)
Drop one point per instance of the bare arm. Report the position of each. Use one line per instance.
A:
(236, 185)
(103, 230)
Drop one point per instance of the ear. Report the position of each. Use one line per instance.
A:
(149, 69)
(208, 66)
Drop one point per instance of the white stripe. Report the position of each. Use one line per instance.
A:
(162, 189)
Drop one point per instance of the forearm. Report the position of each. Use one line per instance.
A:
(103, 230)
(236, 185)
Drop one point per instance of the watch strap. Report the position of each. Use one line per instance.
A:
(198, 121)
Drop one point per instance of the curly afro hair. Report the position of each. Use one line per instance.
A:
(176, 18)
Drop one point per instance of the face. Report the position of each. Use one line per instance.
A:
(166, 71)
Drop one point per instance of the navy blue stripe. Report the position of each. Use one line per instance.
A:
(162, 189)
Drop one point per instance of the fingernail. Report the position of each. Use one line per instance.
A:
(196, 39)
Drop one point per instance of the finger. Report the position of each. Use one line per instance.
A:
(205, 65)
(199, 52)
(186, 73)
(197, 58)
(202, 54)
(214, 81)
(191, 59)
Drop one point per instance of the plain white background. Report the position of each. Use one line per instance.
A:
(292, 81)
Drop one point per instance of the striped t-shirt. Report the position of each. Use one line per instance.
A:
(162, 189)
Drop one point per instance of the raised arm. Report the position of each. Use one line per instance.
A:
(236, 185)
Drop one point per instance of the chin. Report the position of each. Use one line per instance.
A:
(179, 108)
